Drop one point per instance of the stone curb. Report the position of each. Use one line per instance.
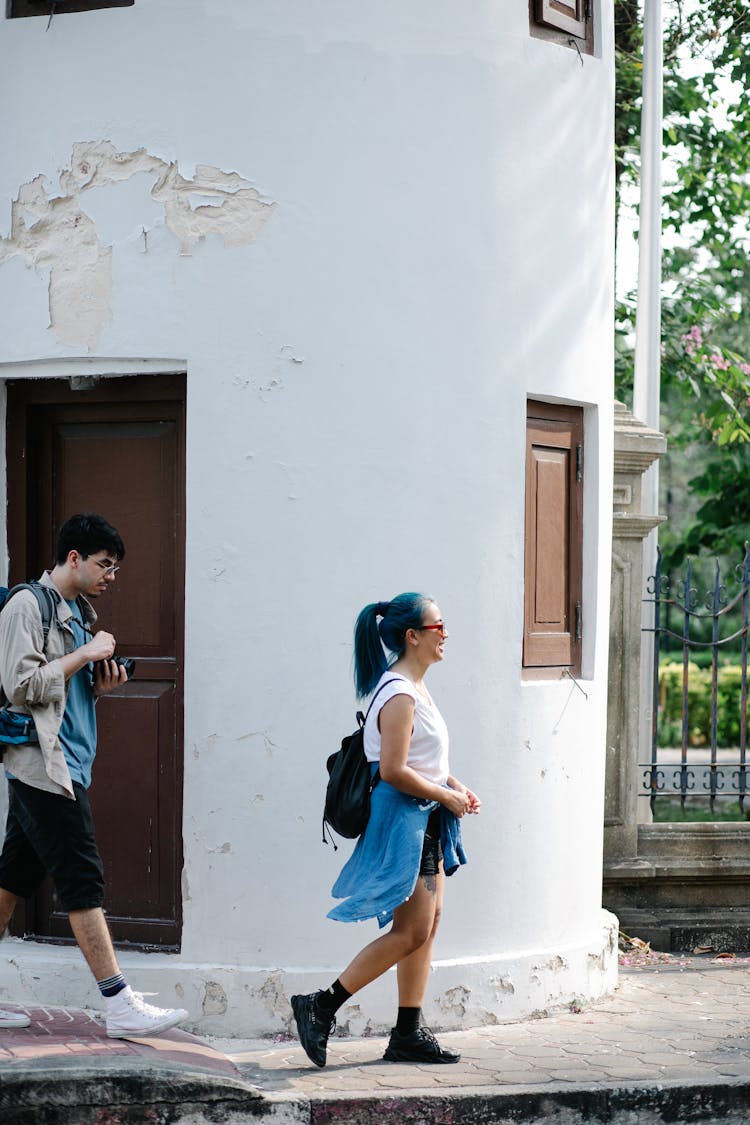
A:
(154, 1095)
(678, 1103)
(120, 1094)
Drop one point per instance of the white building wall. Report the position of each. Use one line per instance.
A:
(417, 236)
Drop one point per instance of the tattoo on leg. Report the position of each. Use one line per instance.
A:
(430, 882)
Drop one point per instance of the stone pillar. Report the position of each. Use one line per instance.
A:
(636, 448)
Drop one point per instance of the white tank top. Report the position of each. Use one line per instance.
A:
(428, 745)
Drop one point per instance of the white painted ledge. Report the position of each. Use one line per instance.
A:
(242, 1000)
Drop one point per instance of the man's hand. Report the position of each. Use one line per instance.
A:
(108, 675)
(100, 647)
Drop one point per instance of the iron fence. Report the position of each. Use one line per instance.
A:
(701, 616)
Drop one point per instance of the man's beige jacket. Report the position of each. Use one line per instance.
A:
(33, 683)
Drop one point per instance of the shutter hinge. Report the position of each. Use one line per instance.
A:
(579, 463)
(578, 622)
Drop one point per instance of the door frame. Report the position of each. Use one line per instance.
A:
(54, 390)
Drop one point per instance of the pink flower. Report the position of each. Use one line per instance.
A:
(719, 362)
(745, 368)
(692, 340)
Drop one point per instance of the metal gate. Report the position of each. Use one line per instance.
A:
(687, 621)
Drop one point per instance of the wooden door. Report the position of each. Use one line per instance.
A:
(117, 449)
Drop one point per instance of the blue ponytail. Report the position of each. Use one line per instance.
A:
(406, 611)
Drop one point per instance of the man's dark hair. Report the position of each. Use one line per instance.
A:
(88, 534)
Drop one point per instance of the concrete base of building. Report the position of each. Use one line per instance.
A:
(241, 1000)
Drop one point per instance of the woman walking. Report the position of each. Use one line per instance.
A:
(412, 840)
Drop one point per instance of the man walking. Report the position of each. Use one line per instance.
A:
(50, 826)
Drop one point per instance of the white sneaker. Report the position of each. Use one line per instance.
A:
(128, 1015)
(13, 1019)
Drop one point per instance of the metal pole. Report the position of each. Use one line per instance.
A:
(646, 386)
(647, 376)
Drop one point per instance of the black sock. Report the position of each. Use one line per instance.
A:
(331, 999)
(408, 1020)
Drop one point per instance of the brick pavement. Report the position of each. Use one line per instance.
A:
(64, 1070)
(73, 1035)
(674, 1039)
(672, 1044)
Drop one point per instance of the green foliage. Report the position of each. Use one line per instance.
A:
(722, 521)
(670, 810)
(706, 214)
(728, 711)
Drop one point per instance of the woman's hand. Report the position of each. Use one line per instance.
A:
(474, 803)
(455, 801)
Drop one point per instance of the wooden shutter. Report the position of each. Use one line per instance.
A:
(19, 9)
(554, 536)
(564, 15)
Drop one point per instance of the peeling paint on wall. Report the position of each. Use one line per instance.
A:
(271, 993)
(455, 1000)
(54, 232)
(503, 984)
(214, 999)
(556, 964)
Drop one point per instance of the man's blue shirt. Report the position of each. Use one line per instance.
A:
(78, 728)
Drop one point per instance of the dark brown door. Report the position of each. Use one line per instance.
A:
(117, 449)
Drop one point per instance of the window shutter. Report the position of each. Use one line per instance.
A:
(20, 9)
(553, 550)
(564, 15)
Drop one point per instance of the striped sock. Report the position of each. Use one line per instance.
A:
(112, 985)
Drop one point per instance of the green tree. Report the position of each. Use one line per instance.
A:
(706, 218)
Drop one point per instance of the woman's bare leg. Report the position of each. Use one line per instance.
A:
(413, 971)
(413, 927)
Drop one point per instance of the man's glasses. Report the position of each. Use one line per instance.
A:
(438, 627)
(105, 567)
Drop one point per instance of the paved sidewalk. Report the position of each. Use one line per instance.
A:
(672, 1045)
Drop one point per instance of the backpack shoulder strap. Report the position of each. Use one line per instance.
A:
(377, 693)
(45, 600)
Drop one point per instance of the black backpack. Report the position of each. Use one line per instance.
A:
(347, 803)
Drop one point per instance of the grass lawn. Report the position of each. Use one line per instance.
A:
(668, 809)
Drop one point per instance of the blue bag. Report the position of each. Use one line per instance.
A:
(15, 728)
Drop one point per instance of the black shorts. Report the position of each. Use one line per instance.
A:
(49, 833)
(432, 853)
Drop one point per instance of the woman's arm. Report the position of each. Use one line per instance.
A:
(396, 721)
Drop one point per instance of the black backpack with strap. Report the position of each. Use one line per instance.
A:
(347, 804)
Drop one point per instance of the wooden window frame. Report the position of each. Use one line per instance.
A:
(22, 9)
(567, 22)
(548, 645)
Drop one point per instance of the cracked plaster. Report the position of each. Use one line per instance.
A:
(214, 999)
(53, 232)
